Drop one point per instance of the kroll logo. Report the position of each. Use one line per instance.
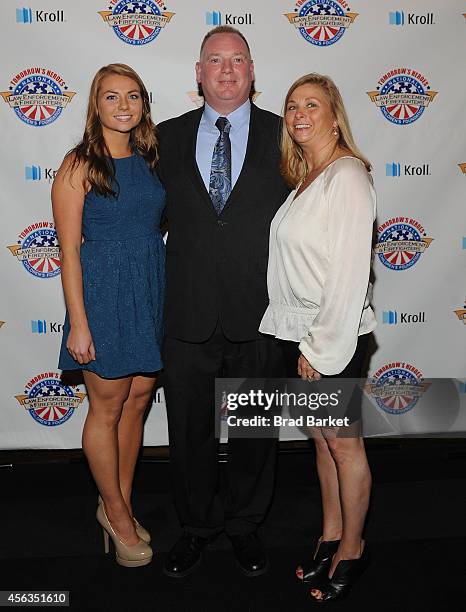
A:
(213, 18)
(401, 242)
(461, 313)
(396, 387)
(216, 18)
(37, 173)
(402, 95)
(394, 169)
(38, 96)
(2, 323)
(137, 23)
(27, 15)
(41, 326)
(32, 173)
(392, 317)
(48, 401)
(321, 22)
(399, 18)
(462, 168)
(38, 250)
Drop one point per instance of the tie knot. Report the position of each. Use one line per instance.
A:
(223, 124)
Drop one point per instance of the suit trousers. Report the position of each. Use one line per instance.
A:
(204, 508)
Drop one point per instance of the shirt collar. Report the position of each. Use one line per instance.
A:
(237, 118)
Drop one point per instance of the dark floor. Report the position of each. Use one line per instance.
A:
(416, 531)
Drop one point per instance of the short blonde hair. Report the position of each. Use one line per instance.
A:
(293, 163)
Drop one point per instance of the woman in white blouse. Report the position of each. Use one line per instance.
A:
(318, 282)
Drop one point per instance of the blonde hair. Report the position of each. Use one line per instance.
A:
(92, 152)
(293, 163)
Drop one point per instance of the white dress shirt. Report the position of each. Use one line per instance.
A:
(319, 264)
(207, 136)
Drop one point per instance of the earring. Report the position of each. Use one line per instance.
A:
(335, 131)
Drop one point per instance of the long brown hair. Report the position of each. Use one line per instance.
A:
(93, 153)
(293, 163)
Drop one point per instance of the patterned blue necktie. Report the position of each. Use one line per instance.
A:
(220, 171)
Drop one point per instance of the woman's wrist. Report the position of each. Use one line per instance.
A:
(79, 324)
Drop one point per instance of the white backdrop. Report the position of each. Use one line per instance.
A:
(401, 74)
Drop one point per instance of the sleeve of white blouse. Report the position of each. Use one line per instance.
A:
(331, 341)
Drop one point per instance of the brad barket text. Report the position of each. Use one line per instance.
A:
(278, 421)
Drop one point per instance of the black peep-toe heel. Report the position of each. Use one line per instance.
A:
(317, 568)
(345, 575)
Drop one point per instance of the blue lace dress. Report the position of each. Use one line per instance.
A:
(123, 265)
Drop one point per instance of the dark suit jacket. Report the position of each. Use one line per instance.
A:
(217, 264)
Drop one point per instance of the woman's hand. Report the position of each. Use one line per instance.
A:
(80, 345)
(306, 371)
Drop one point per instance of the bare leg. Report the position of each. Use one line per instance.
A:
(330, 493)
(354, 480)
(100, 445)
(328, 479)
(130, 430)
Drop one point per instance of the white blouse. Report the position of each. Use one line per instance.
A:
(319, 264)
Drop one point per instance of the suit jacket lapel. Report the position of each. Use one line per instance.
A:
(190, 160)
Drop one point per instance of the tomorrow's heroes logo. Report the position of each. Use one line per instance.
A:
(38, 96)
(137, 23)
(38, 250)
(400, 243)
(321, 22)
(48, 401)
(402, 95)
(396, 387)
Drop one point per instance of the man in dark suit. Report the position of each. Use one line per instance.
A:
(220, 168)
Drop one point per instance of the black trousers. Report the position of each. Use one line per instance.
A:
(189, 385)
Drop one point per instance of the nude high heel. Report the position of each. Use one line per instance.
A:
(140, 530)
(129, 556)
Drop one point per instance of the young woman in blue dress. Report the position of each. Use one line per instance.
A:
(107, 203)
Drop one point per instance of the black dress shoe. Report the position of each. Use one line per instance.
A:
(185, 556)
(250, 554)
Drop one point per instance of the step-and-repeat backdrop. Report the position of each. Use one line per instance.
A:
(400, 68)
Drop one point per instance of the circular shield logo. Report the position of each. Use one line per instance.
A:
(319, 29)
(38, 91)
(404, 110)
(38, 250)
(48, 401)
(397, 390)
(402, 95)
(38, 96)
(401, 241)
(134, 24)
